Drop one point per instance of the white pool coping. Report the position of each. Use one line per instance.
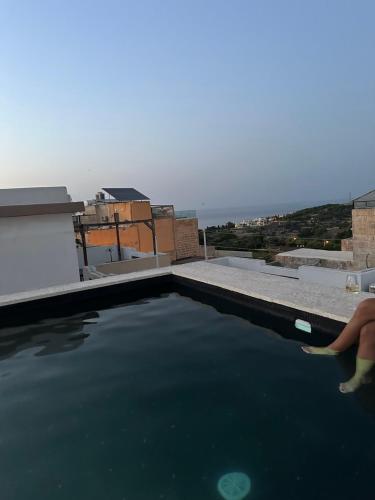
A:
(328, 302)
(53, 291)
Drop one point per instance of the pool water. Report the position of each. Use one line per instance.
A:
(158, 399)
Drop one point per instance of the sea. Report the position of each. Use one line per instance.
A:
(219, 216)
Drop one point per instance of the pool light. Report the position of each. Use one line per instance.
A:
(234, 486)
(302, 325)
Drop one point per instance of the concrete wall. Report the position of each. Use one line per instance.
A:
(130, 266)
(312, 257)
(233, 253)
(363, 237)
(37, 252)
(97, 255)
(334, 277)
(127, 210)
(136, 236)
(177, 237)
(165, 234)
(102, 254)
(256, 265)
(347, 245)
(212, 252)
(308, 274)
(186, 237)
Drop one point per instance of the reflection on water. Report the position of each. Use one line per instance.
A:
(51, 335)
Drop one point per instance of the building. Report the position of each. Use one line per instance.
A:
(144, 227)
(363, 228)
(37, 245)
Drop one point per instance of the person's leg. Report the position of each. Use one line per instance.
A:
(364, 313)
(365, 359)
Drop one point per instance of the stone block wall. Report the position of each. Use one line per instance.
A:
(186, 237)
(363, 237)
(347, 245)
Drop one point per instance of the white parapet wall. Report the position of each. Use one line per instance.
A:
(101, 254)
(255, 265)
(308, 274)
(335, 277)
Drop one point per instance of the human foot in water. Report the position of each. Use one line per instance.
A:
(322, 351)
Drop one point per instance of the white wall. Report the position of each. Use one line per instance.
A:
(257, 265)
(101, 255)
(335, 277)
(97, 255)
(36, 252)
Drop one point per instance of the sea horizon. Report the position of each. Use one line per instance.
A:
(219, 216)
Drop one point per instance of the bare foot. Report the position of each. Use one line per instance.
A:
(354, 383)
(322, 351)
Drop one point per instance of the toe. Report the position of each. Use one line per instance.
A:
(344, 388)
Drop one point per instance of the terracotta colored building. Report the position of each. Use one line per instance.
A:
(176, 236)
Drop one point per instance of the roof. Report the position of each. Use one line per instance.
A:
(125, 194)
(365, 201)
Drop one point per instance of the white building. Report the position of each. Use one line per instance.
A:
(37, 243)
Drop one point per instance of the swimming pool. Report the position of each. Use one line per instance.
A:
(158, 397)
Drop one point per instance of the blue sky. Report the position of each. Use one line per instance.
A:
(221, 103)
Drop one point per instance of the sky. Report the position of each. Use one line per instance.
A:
(199, 103)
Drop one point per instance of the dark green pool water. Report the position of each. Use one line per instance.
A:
(159, 398)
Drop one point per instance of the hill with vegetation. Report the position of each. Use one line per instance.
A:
(318, 227)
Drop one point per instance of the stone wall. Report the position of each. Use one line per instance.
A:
(296, 262)
(364, 237)
(186, 237)
(347, 245)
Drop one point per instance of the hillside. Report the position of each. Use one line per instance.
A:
(317, 227)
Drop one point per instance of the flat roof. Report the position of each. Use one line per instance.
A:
(41, 209)
(31, 195)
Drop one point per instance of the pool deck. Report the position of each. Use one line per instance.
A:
(328, 302)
